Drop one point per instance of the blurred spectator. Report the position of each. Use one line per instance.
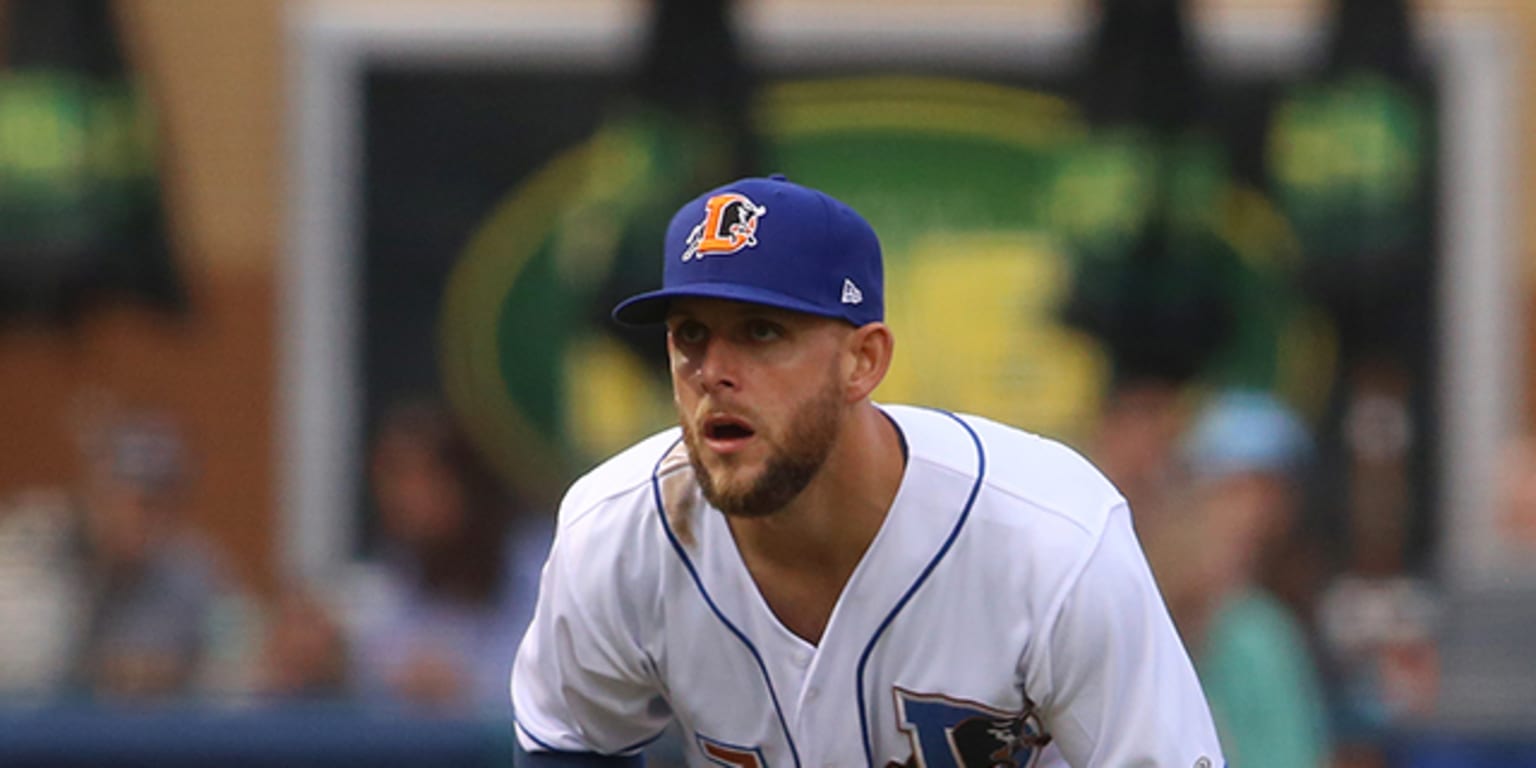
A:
(304, 654)
(153, 589)
(1378, 618)
(438, 617)
(1244, 451)
(40, 596)
(1517, 504)
(1136, 445)
(1136, 440)
(1379, 631)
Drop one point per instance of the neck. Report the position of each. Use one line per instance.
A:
(831, 523)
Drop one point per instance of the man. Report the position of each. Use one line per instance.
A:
(801, 577)
(1246, 453)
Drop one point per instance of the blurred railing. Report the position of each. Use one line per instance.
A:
(290, 736)
(317, 735)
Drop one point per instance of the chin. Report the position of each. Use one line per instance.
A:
(729, 488)
(732, 482)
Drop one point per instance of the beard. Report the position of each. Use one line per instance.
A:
(790, 467)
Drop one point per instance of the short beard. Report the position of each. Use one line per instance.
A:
(808, 442)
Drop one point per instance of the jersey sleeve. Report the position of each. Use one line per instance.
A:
(522, 758)
(582, 681)
(1121, 688)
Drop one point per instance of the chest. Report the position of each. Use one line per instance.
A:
(901, 676)
(802, 603)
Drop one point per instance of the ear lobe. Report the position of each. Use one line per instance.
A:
(869, 358)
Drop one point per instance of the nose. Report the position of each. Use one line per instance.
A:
(718, 367)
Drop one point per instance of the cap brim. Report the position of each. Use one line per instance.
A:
(651, 308)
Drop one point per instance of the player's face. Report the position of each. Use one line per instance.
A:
(758, 396)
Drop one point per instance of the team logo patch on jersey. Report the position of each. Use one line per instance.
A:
(729, 755)
(729, 225)
(952, 733)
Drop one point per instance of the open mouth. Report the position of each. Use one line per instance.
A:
(727, 433)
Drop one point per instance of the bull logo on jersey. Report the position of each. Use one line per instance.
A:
(951, 733)
(729, 225)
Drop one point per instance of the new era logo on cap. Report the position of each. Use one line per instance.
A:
(851, 293)
(783, 245)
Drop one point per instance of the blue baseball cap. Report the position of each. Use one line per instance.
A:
(768, 241)
(1246, 431)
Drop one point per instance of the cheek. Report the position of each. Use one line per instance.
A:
(682, 394)
(678, 358)
(681, 369)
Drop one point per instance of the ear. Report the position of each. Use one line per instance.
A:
(866, 358)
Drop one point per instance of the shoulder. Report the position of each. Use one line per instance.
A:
(1026, 478)
(609, 516)
(621, 483)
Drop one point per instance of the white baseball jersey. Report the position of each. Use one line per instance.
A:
(1003, 615)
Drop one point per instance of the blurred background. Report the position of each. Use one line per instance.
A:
(303, 330)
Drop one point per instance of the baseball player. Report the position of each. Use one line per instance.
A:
(799, 576)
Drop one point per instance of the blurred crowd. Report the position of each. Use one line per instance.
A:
(109, 594)
(1308, 657)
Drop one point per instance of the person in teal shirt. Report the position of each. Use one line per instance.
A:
(1262, 684)
(1251, 652)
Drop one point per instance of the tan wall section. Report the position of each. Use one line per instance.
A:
(216, 67)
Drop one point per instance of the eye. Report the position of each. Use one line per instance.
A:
(689, 332)
(763, 330)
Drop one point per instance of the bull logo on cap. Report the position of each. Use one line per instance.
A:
(729, 225)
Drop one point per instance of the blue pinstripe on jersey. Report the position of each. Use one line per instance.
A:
(693, 572)
(981, 471)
